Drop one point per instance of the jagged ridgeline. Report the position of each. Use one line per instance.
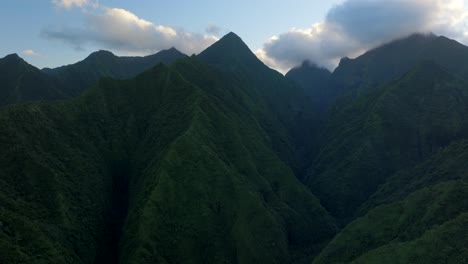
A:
(188, 163)
(22, 82)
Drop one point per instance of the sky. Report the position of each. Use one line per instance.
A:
(51, 33)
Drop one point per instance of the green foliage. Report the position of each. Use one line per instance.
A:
(426, 226)
(449, 164)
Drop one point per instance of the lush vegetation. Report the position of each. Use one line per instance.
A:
(216, 158)
(418, 216)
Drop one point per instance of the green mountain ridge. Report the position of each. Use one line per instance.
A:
(77, 77)
(383, 64)
(22, 82)
(392, 60)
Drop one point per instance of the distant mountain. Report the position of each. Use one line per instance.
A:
(183, 163)
(81, 75)
(315, 81)
(391, 61)
(20, 81)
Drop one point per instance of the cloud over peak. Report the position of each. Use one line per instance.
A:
(355, 26)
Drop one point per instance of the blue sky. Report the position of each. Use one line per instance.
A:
(50, 33)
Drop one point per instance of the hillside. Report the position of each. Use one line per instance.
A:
(419, 216)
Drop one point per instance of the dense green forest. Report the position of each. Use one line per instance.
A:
(216, 158)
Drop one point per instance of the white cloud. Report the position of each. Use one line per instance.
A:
(120, 30)
(354, 26)
(30, 52)
(213, 30)
(68, 4)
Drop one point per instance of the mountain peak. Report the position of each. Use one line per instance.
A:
(414, 40)
(13, 57)
(172, 50)
(14, 60)
(101, 54)
(232, 35)
(229, 50)
(233, 41)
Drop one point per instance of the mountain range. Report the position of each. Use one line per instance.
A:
(22, 82)
(216, 158)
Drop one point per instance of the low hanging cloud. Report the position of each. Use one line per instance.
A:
(31, 52)
(120, 30)
(355, 26)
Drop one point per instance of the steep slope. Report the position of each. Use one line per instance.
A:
(315, 83)
(391, 128)
(179, 160)
(23, 82)
(81, 75)
(449, 164)
(418, 216)
(284, 109)
(222, 194)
